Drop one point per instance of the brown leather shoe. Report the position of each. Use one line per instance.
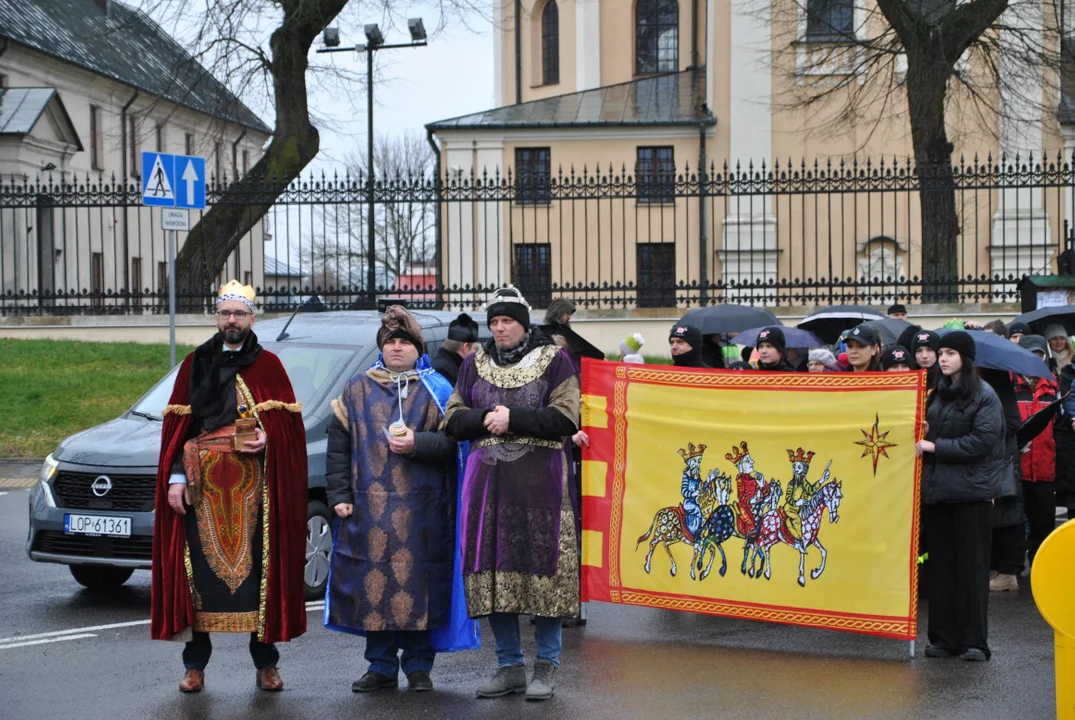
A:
(193, 681)
(269, 679)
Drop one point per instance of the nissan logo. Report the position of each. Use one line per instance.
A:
(101, 485)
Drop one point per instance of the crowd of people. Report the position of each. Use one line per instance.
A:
(454, 482)
(991, 481)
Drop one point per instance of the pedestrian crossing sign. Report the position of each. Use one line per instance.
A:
(158, 179)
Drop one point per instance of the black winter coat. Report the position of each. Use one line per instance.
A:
(447, 363)
(1008, 508)
(1065, 436)
(971, 450)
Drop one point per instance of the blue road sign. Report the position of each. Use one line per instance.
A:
(173, 181)
(190, 182)
(158, 179)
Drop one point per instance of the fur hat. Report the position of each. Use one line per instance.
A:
(823, 356)
(960, 341)
(398, 323)
(463, 329)
(508, 302)
(774, 336)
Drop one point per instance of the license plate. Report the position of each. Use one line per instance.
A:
(98, 525)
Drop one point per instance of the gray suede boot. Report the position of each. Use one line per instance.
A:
(507, 680)
(543, 684)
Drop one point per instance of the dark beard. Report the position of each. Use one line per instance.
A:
(235, 336)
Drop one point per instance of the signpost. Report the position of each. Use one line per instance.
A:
(176, 184)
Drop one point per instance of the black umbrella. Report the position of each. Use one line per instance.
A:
(888, 329)
(828, 322)
(577, 346)
(998, 353)
(723, 319)
(1036, 423)
(1041, 318)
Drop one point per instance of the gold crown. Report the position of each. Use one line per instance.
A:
(800, 456)
(691, 451)
(738, 454)
(239, 291)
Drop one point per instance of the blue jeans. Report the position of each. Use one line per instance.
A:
(382, 647)
(509, 647)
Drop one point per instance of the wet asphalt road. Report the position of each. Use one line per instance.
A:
(627, 663)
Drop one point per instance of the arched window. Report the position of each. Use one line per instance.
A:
(550, 44)
(656, 36)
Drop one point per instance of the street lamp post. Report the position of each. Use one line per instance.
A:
(374, 42)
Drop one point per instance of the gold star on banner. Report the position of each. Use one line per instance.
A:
(875, 443)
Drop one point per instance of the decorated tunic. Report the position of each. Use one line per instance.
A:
(392, 558)
(234, 562)
(520, 509)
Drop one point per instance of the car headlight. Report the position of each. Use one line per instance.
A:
(48, 471)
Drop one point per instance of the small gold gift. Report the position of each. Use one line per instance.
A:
(245, 431)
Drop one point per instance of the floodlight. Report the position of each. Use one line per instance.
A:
(417, 28)
(373, 35)
(331, 37)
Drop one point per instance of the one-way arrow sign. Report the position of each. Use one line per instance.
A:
(190, 193)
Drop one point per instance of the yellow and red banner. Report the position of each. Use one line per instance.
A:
(783, 497)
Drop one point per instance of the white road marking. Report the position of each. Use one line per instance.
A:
(83, 632)
(47, 640)
(2, 494)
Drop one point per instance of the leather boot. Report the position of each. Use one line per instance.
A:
(269, 679)
(193, 681)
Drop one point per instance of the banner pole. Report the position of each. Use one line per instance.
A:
(912, 649)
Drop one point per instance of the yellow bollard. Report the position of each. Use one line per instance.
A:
(1052, 579)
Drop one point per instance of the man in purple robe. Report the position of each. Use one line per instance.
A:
(517, 401)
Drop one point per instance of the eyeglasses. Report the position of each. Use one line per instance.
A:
(237, 314)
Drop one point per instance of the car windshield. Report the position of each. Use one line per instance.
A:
(308, 367)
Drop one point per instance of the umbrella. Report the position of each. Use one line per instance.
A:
(997, 353)
(1041, 318)
(888, 329)
(577, 346)
(829, 322)
(794, 337)
(722, 319)
(1036, 423)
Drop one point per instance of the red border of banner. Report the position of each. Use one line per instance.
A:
(609, 445)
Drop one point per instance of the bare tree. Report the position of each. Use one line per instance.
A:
(404, 219)
(932, 60)
(265, 44)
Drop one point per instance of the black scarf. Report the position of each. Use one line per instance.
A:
(690, 359)
(212, 380)
(533, 338)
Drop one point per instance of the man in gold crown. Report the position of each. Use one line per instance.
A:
(230, 531)
(691, 487)
(799, 491)
(750, 490)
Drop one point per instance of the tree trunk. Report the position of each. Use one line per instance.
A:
(927, 82)
(294, 144)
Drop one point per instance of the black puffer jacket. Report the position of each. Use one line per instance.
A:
(970, 454)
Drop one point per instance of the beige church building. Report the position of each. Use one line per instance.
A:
(632, 94)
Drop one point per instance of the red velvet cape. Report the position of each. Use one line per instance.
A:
(286, 476)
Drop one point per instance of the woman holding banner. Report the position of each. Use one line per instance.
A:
(963, 458)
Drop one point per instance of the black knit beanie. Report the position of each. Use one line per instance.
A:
(924, 338)
(896, 355)
(960, 341)
(774, 336)
(687, 333)
(508, 302)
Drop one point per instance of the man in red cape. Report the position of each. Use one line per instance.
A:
(230, 531)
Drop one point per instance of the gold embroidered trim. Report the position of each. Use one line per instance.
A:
(177, 410)
(237, 622)
(194, 596)
(278, 405)
(224, 541)
(263, 588)
(516, 440)
(530, 368)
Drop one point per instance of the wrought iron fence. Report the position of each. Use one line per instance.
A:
(789, 234)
